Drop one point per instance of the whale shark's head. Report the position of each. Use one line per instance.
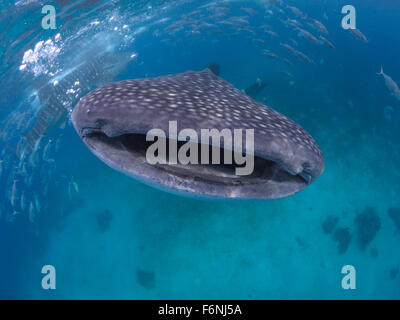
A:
(113, 121)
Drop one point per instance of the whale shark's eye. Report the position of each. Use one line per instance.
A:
(100, 123)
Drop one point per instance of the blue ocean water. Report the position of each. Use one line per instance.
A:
(111, 237)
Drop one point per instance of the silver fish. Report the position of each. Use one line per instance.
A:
(23, 203)
(46, 150)
(318, 25)
(31, 214)
(327, 42)
(293, 23)
(302, 56)
(14, 193)
(250, 11)
(297, 53)
(271, 33)
(262, 41)
(288, 62)
(37, 203)
(58, 142)
(296, 11)
(294, 42)
(359, 35)
(75, 185)
(390, 84)
(308, 35)
(271, 55)
(288, 74)
(289, 47)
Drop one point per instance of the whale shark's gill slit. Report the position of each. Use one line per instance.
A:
(135, 145)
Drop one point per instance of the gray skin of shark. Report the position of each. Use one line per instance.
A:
(113, 120)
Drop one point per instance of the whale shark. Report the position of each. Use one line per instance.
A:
(113, 120)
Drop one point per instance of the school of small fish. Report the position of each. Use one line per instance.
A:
(34, 171)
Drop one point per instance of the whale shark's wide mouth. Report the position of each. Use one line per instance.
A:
(127, 153)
